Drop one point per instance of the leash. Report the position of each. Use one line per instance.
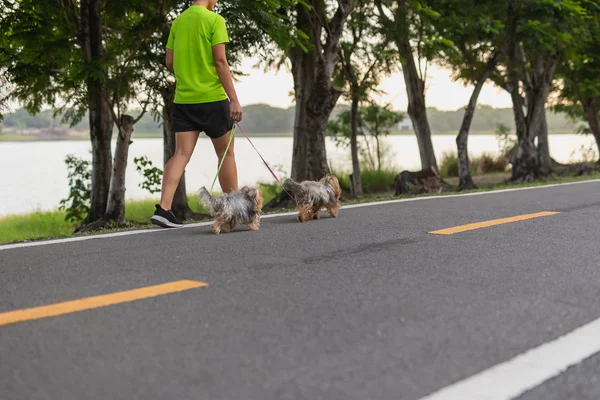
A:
(265, 162)
(231, 135)
(261, 157)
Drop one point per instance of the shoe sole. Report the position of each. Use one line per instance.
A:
(165, 223)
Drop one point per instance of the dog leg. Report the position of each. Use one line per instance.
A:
(254, 225)
(227, 227)
(315, 212)
(304, 213)
(221, 225)
(333, 209)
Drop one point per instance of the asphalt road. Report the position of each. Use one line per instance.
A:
(368, 305)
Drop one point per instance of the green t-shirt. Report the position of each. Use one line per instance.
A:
(192, 36)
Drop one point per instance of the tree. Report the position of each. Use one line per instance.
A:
(322, 23)
(538, 34)
(475, 43)
(56, 50)
(131, 26)
(579, 93)
(88, 28)
(363, 58)
(373, 123)
(408, 25)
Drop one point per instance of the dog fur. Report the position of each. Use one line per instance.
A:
(312, 196)
(238, 207)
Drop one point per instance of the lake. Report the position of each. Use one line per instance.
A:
(34, 174)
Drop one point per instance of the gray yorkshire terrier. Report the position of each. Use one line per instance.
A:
(312, 196)
(238, 207)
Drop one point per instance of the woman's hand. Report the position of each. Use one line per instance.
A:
(235, 110)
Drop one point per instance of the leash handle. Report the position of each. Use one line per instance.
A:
(231, 135)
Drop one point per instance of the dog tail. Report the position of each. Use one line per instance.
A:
(334, 183)
(206, 199)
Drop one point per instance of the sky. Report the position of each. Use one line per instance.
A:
(273, 88)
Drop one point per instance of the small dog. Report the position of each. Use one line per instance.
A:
(311, 197)
(238, 207)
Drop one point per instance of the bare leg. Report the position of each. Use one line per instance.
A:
(185, 144)
(228, 178)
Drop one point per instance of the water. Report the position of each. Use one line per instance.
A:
(34, 175)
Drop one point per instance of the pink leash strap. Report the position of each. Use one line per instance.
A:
(263, 160)
(257, 152)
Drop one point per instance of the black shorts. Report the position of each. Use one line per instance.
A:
(210, 118)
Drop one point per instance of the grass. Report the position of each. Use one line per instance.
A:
(481, 165)
(51, 224)
(37, 225)
(373, 181)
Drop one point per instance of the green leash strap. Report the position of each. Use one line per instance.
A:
(231, 135)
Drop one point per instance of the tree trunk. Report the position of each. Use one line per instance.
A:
(379, 155)
(591, 114)
(100, 117)
(115, 209)
(355, 90)
(399, 25)
(180, 206)
(356, 184)
(465, 181)
(525, 167)
(315, 99)
(537, 126)
(417, 110)
(544, 146)
(318, 109)
(303, 72)
(101, 135)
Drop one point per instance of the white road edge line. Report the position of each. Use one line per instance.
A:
(526, 371)
(200, 224)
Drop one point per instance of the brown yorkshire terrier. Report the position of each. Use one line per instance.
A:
(311, 197)
(238, 207)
